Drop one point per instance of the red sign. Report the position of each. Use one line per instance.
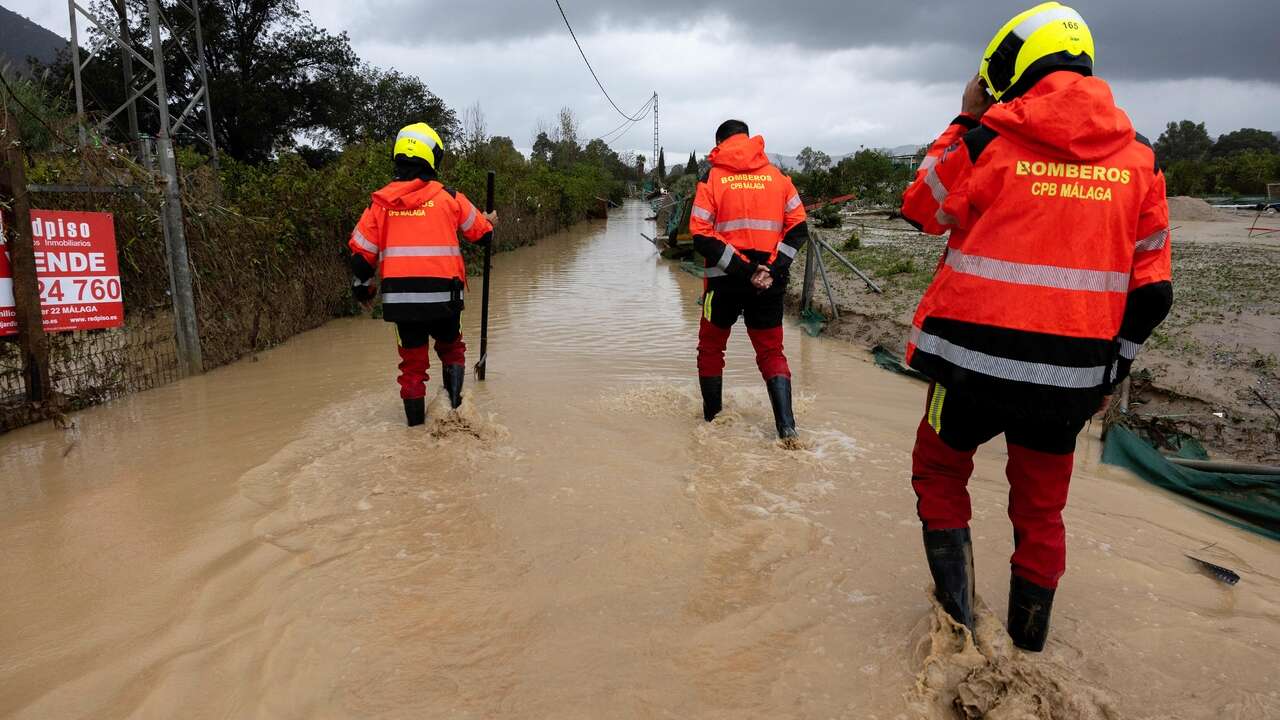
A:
(77, 269)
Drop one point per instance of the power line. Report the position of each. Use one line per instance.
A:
(617, 133)
(593, 70)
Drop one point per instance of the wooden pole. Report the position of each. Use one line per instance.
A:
(810, 274)
(32, 341)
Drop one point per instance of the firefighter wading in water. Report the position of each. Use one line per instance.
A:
(1055, 273)
(749, 223)
(409, 237)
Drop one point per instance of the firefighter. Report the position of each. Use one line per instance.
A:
(408, 237)
(1056, 271)
(748, 222)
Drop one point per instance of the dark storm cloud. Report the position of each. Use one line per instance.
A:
(1138, 39)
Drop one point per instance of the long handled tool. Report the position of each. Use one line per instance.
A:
(488, 265)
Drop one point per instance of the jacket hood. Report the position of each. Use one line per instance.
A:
(1065, 116)
(407, 194)
(739, 154)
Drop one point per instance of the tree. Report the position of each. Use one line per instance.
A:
(1247, 172)
(501, 152)
(272, 73)
(1245, 140)
(565, 138)
(813, 160)
(691, 167)
(274, 76)
(542, 148)
(640, 167)
(662, 164)
(1187, 177)
(475, 131)
(379, 102)
(1184, 140)
(869, 173)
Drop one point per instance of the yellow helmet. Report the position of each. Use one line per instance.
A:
(418, 142)
(1049, 35)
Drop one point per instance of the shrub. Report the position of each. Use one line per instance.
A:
(827, 217)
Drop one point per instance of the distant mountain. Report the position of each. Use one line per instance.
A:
(23, 39)
(904, 149)
(789, 162)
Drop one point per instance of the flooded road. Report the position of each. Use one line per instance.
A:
(269, 540)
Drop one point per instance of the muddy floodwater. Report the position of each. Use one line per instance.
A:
(269, 540)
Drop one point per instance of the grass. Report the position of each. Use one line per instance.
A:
(1215, 285)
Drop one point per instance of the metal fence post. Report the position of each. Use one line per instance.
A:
(184, 304)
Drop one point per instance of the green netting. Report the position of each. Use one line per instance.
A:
(812, 322)
(890, 360)
(1251, 502)
(1187, 447)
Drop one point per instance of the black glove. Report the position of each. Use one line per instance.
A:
(364, 293)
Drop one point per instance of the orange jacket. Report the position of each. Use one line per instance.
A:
(746, 212)
(1058, 264)
(409, 236)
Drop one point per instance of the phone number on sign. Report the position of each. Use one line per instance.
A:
(77, 290)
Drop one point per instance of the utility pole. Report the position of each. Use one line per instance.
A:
(658, 180)
(126, 63)
(204, 80)
(184, 305)
(32, 341)
(75, 74)
(117, 30)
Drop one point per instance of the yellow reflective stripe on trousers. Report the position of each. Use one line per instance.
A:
(935, 408)
(706, 305)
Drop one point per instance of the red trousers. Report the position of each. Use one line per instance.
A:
(415, 356)
(713, 339)
(1041, 457)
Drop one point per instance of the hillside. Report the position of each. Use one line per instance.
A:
(23, 39)
(789, 162)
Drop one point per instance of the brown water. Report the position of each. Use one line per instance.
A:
(269, 541)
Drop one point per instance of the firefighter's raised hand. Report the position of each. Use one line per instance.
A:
(492, 217)
(976, 100)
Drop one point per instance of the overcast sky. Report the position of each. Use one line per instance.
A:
(834, 74)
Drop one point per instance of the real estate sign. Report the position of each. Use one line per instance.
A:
(77, 269)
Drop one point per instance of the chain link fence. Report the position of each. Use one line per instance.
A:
(94, 366)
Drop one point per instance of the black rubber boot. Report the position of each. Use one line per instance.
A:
(453, 377)
(1030, 606)
(415, 411)
(712, 388)
(950, 557)
(780, 398)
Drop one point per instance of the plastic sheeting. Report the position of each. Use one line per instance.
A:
(1251, 502)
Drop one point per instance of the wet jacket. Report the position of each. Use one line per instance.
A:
(409, 236)
(1057, 269)
(746, 213)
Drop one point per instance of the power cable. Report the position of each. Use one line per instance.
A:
(626, 125)
(593, 70)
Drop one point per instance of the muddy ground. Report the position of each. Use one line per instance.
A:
(1212, 370)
